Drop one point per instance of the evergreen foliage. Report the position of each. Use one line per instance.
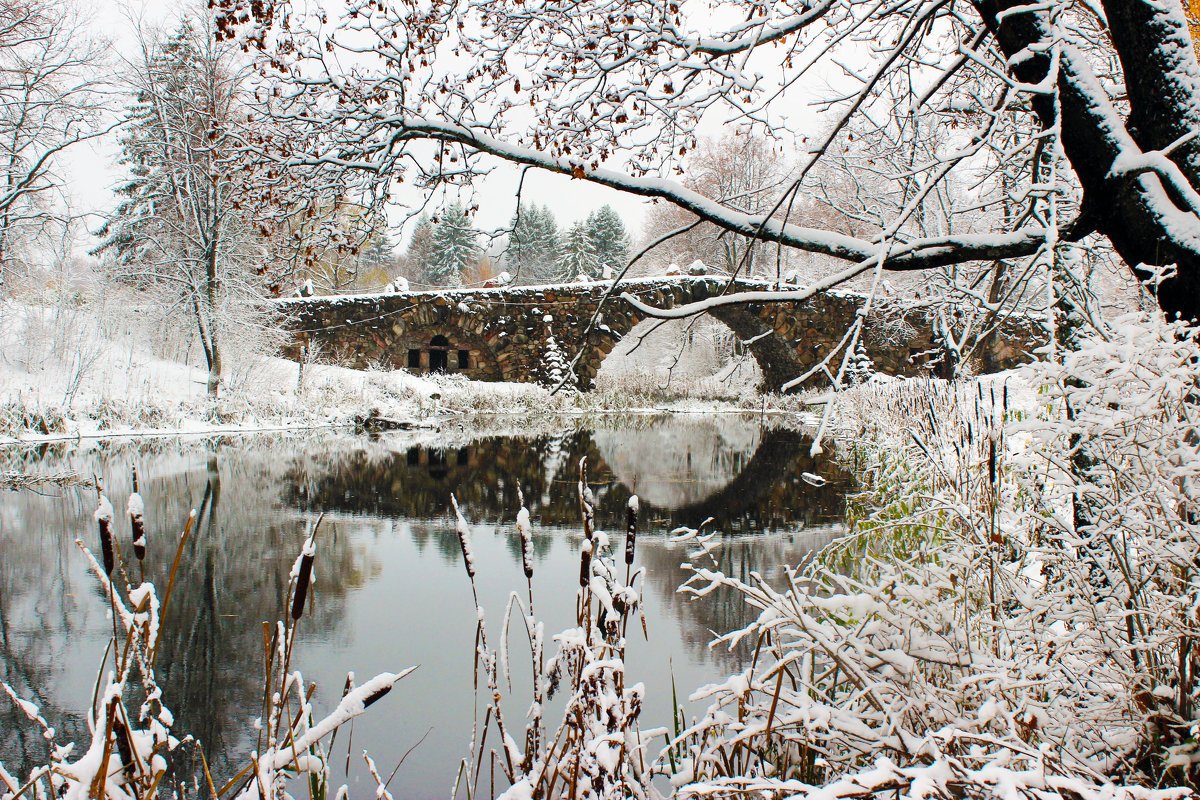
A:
(610, 242)
(578, 254)
(153, 144)
(455, 248)
(419, 254)
(532, 252)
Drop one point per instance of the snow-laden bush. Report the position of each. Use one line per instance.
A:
(1014, 611)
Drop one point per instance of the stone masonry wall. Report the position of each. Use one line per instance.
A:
(519, 334)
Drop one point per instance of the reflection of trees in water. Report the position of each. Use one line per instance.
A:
(417, 483)
(723, 610)
(234, 569)
(768, 493)
(233, 576)
(34, 558)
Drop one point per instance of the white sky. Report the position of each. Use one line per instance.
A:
(92, 170)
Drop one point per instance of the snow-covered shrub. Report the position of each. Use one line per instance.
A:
(1014, 611)
(555, 366)
(860, 368)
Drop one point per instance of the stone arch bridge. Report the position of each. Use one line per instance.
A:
(521, 333)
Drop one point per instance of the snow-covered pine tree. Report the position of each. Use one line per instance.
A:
(147, 151)
(419, 254)
(549, 244)
(455, 247)
(531, 254)
(177, 228)
(578, 254)
(861, 367)
(609, 240)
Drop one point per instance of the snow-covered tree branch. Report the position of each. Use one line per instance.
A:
(613, 93)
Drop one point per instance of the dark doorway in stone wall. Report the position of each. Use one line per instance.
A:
(438, 354)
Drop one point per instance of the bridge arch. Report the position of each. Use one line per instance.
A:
(777, 361)
(531, 333)
(660, 352)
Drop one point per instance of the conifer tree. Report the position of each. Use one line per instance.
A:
(177, 227)
(532, 251)
(610, 242)
(455, 248)
(419, 255)
(578, 254)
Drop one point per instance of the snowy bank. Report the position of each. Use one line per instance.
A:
(80, 377)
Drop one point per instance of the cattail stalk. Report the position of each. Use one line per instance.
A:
(104, 519)
(585, 564)
(137, 524)
(137, 519)
(526, 530)
(464, 540)
(631, 515)
(303, 578)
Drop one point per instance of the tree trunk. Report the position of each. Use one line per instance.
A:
(1145, 224)
(208, 340)
(212, 293)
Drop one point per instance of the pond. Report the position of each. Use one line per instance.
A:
(390, 588)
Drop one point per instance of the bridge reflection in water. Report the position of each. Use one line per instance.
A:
(736, 486)
(390, 589)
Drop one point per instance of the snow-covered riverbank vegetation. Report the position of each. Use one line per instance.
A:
(1013, 610)
(1010, 613)
(107, 364)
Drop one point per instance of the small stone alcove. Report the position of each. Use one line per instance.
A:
(440, 354)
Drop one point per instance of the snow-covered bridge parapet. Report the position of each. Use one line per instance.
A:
(530, 333)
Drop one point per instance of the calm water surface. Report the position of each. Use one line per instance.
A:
(390, 588)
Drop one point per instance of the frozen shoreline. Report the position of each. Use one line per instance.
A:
(475, 420)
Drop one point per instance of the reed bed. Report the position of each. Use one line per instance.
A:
(133, 744)
(1012, 610)
(597, 749)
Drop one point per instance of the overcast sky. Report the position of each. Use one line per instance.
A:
(92, 172)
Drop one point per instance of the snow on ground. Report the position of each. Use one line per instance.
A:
(71, 372)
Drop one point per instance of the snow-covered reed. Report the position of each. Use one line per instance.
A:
(597, 749)
(132, 745)
(1013, 610)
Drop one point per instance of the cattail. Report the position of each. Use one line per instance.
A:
(631, 512)
(464, 538)
(526, 531)
(137, 522)
(124, 748)
(586, 501)
(104, 518)
(137, 519)
(585, 564)
(375, 695)
(992, 461)
(303, 578)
